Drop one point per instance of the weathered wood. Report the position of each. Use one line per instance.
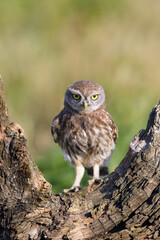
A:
(126, 205)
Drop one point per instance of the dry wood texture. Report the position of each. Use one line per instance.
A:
(126, 205)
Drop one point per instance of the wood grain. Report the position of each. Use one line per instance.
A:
(125, 205)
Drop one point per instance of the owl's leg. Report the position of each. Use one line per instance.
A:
(96, 178)
(79, 169)
(96, 171)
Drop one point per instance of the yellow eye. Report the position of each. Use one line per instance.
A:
(95, 97)
(76, 96)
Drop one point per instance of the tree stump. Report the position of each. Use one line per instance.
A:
(125, 205)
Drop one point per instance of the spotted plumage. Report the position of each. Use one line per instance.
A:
(85, 132)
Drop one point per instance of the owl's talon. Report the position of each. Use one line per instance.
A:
(66, 190)
(72, 189)
(76, 189)
(94, 181)
(98, 181)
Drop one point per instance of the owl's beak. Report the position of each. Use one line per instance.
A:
(85, 104)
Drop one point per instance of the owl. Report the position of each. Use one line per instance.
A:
(85, 132)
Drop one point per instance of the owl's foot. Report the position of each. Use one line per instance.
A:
(95, 181)
(76, 189)
(72, 189)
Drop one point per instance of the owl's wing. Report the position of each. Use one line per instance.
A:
(54, 128)
(113, 127)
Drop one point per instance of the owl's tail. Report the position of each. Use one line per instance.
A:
(103, 171)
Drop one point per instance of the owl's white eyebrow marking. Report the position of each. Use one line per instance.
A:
(74, 91)
(94, 93)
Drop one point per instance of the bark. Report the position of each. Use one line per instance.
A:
(125, 205)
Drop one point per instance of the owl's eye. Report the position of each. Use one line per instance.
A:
(94, 97)
(76, 96)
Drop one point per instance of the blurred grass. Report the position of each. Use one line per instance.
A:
(48, 45)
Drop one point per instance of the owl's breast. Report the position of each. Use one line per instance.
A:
(86, 137)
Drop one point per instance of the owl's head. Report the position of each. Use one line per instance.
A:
(84, 96)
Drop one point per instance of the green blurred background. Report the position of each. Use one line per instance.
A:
(47, 45)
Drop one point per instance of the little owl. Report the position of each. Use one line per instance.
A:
(85, 132)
